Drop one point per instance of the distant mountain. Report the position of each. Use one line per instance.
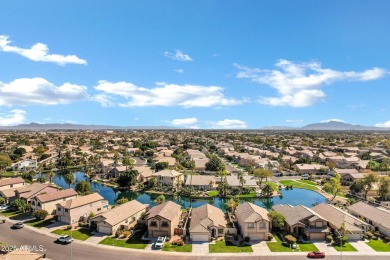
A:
(329, 126)
(37, 126)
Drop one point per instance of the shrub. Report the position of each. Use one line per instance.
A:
(386, 239)
(118, 233)
(126, 234)
(270, 236)
(235, 237)
(290, 239)
(40, 214)
(344, 239)
(374, 238)
(377, 234)
(178, 242)
(69, 227)
(247, 239)
(329, 239)
(369, 234)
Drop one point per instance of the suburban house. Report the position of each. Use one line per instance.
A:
(30, 191)
(168, 177)
(9, 183)
(79, 209)
(378, 217)
(144, 173)
(25, 165)
(201, 182)
(122, 217)
(253, 221)
(336, 217)
(233, 181)
(302, 221)
(163, 219)
(207, 222)
(310, 168)
(48, 201)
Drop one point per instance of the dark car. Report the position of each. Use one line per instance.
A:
(18, 225)
(316, 254)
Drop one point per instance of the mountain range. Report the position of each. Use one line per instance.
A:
(329, 126)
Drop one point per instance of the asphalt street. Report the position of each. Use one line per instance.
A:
(85, 251)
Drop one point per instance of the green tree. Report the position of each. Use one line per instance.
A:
(160, 199)
(277, 219)
(28, 176)
(127, 179)
(83, 188)
(122, 201)
(50, 173)
(290, 239)
(261, 174)
(161, 166)
(69, 178)
(240, 177)
(2, 201)
(128, 162)
(232, 203)
(40, 214)
(215, 164)
(384, 187)
(331, 165)
(267, 190)
(333, 186)
(153, 182)
(368, 183)
(20, 204)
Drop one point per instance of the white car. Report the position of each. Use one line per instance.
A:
(65, 239)
(4, 207)
(160, 242)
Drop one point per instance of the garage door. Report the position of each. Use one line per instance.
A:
(63, 219)
(317, 236)
(259, 236)
(105, 230)
(159, 233)
(354, 236)
(200, 237)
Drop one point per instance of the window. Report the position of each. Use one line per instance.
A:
(66, 210)
(127, 220)
(153, 223)
(63, 199)
(318, 224)
(262, 225)
(58, 209)
(99, 209)
(11, 186)
(164, 224)
(39, 204)
(251, 225)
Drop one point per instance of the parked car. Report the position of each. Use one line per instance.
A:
(4, 207)
(65, 239)
(160, 242)
(305, 176)
(316, 254)
(18, 225)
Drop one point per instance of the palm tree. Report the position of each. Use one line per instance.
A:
(69, 178)
(50, 173)
(240, 177)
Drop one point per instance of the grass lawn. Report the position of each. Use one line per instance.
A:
(226, 247)
(273, 184)
(346, 247)
(299, 185)
(39, 223)
(134, 242)
(175, 248)
(213, 193)
(8, 174)
(11, 213)
(79, 234)
(249, 195)
(379, 245)
(307, 182)
(279, 247)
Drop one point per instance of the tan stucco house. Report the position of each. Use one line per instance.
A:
(48, 201)
(253, 221)
(163, 219)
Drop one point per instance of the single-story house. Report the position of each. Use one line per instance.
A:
(336, 217)
(122, 217)
(163, 219)
(378, 217)
(207, 222)
(302, 221)
(201, 182)
(310, 168)
(48, 201)
(253, 221)
(79, 209)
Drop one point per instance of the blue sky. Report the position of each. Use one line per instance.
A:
(197, 64)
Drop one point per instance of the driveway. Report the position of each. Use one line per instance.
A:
(260, 247)
(200, 247)
(325, 247)
(362, 247)
(54, 226)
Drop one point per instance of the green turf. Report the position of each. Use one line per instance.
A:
(134, 242)
(379, 245)
(226, 247)
(213, 193)
(79, 234)
(347, 247)
(175, 248)
(300, 185)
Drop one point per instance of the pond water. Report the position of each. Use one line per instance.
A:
(292, 197)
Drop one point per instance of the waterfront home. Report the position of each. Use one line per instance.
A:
(337, 217)
(9, 183)
(233, 181)
(79, 209)
(201, 182)
(25, 165)
(144, 173)
(30, 191)
(310, 168)
(378, 217)
(302, 221)
(163, 219)
(115, 171)
(48, 201)
(122, 217)
(207, 222)
(253, 221)
(168, 177)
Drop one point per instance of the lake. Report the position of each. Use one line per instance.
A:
(292, 197)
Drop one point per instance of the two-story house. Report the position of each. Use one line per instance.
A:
(253, 221)
(79, 209)
(32, 190)
(9, 183)
(25, 165)
(169, 177)
(163, 219)
(48, 201)
(122, 217)
(302, 221)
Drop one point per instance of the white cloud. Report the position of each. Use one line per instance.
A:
(295, 121)
(165, 95)
(15, 117)
(186, 122)
(299, 84)
(31, 91)
(228, 124)
(39, 52)
(178, 55)
(385, 124)
(332, 120)
(179, 70)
